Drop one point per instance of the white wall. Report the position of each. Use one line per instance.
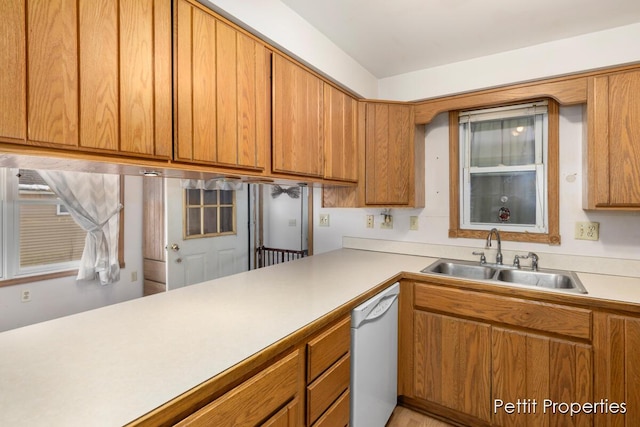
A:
(277, 23)
(61, 297)
(619, 231)
(591, 51)
(279, 213)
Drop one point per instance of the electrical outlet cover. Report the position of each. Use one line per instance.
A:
(370, 221)
(587, 230)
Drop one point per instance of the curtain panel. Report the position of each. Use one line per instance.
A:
(93, 200)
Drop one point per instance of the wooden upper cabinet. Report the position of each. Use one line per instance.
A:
(91, 75)
(222, 91)
(340, 135)
(394, 156)
(297, 145)
(613, 141)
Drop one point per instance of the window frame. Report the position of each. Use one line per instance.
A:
(456, 230)
(10, 238)
(202, 205)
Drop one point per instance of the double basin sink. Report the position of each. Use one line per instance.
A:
(559, 280)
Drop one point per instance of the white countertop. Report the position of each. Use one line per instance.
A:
(112, 365)
(109, 366)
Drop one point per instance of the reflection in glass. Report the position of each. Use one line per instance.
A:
(226, 219)
(515, 191)
(210, 220)
(226, 197)
(193, 197)
(210, 197)
(193, 221)
(507, 142)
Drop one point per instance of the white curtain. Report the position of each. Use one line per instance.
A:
(93, 200)
(211, 184)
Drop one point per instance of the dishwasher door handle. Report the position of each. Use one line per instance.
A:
(374, 308)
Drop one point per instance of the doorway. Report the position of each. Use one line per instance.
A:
(280, 218)
(275, 217)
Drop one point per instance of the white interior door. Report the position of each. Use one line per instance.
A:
(196, 260)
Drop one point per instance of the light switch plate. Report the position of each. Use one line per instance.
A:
(587, 230)
(413, 223)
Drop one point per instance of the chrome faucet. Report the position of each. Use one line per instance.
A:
(499, 254)
(531, 255)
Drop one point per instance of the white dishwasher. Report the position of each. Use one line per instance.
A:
(374, 359)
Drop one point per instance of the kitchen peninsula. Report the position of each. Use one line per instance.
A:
(95, 367)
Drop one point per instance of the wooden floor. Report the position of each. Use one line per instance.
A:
(403, 417)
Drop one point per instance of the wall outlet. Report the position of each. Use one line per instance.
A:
(387, 222)
(324, 220)
(413, 223)
(369, 221)
(25, 296)
(587, 230)
(292, 222)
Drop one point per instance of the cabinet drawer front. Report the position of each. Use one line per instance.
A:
(327, 388)
(552, 318)
(327, 348)
(337, 415)
(255, 399)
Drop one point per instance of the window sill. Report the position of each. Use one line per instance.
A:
(38, 278)
(551, 239)
(42, 277)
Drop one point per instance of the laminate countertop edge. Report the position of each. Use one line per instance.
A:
(113, 365)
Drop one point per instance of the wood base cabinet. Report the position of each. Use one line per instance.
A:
(617, 342)
(307, 385)
(452, 364)
(269, 398)
(482, 359)
(87, 75)
(328, 376)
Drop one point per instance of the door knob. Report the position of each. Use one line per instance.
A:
(174, 247)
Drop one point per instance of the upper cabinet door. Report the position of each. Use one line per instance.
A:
(613, 141)
(222, 92)
(297, 146)
(394, 161)
(92, 75)
(340, 135)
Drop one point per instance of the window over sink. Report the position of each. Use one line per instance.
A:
(506, 173)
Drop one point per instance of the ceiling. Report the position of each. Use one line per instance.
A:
(395, 37)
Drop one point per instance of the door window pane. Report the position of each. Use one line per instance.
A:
(209, 213)
(193, 221)
(210, 220)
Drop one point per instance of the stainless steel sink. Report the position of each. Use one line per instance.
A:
(544, 278)
(460, 269)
